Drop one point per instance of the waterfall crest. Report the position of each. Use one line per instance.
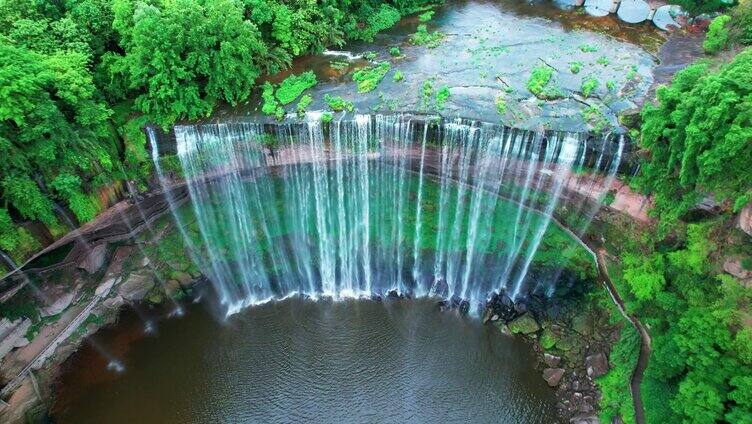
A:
(385, 203)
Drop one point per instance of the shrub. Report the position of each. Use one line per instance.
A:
(338, 104)
(575, 67)
(303, 104)
(368, 78)
(398, 76)
(395, 51)
(424, 38)
(270, 104)
(442, 96)
(718, 35)
(589, 84)
(425, 17)
(539, 78)
(294, 85)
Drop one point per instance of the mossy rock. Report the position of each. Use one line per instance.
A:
(503, 328)
(582, 324)
(525, 324)
(566, 344)
(548, 339)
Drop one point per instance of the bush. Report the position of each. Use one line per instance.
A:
(303, 104)
(368, 78)
(442, 96)
(425, 17)
(539, 78)
(589, 85)
(424, 38)
(294, 85)
(338, 104)
(718, 35)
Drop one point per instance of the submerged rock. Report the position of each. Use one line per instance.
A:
(553, 376)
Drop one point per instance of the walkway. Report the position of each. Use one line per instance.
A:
(645, 342)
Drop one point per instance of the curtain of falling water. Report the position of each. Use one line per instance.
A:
(378, 203)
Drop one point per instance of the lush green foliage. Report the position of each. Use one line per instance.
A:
(368, 78)
(617, 399)
(589, 85)
(293, 86)
(541, 83)
(698, 321)
(697, 7)
(718, 34)
(338, 104)
(303, 104)
(66, 65)
(442, 97)
(697, 138)
(424, 38)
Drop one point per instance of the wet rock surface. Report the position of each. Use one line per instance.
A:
(485, 60)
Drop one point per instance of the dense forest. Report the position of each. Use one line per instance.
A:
(696, 143)
(80, 78)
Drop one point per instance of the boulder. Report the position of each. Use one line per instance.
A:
(94, 259)
(596, 365)
(524, 324)
(59, 304)
(137, 285)
(585, 419)
(553, 376)
(104, 287)
(182, 277)
(733, 266)
(745, 219)
(172, 287)
(113, 302)
(11, 333)
(551, 360)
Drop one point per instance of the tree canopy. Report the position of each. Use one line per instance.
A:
(698, 138)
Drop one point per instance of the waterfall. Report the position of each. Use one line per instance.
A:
(383, 204)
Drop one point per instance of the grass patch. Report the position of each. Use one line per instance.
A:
(442, 96)
(426, 92)
(596, 119)
(338, 104)
(603, 60)
(588, 48)
(370, 77)
(294, 85)
(540, 85)
(588, 85)
(303, 104)
(575, 67)
(501, 105)
(424, 38)
(425, 17)
(397, 77)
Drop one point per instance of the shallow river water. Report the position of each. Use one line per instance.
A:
(303, 361)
